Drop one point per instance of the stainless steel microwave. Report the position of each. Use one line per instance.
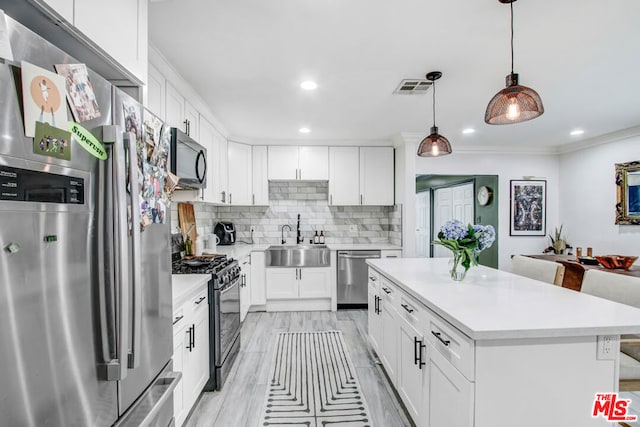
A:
(188, 161)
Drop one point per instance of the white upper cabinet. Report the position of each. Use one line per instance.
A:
(156, 92)
(180, 113)
(119, 27)
(220, 164)
(260, 195)
(376, 176)
(313, 163)
(298, 163)
(207, 140)
(239, 174)
(361, 176)
(344, 186)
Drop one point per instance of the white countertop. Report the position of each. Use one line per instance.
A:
(240, 250)
(185, 285)
(494, 304)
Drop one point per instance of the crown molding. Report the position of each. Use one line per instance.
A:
(311, 142)
(600, 140)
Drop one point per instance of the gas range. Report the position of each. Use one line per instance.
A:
(225, 271)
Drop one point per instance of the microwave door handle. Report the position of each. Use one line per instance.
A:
(136, 262)
(202, 177)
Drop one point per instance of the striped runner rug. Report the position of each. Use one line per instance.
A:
(313, 383)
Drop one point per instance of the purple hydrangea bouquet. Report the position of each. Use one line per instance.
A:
(466, 243)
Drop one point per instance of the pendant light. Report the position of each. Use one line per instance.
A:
(435, 144)
(515, 103)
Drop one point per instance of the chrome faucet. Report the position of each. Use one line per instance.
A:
(284, 240)
(298, 235)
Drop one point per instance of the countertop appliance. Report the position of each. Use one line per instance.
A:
(188, 161)
(352, 277)
(86, 301)
(224, 311)
(226, 231)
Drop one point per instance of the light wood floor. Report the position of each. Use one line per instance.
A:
(239, 404)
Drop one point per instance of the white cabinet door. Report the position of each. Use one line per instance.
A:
(283, 162)
(258, 279)
(376, 176)
(63, 7)
(411, 355)
(239, 174)
(344, 188)
(220, 165)
(192, 117)
(119, 27)
(207, 140)
(175, 108)
(389, 353)
(200, 354)
(374, 320)
(313, 163)
(245, 286)
(156, 92)
(282, 283)
(449, 396)
(314, 282)
(260, 179)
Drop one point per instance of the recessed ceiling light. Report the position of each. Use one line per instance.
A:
(467, 131)
(576, 132)
(309, 85)
(304, 130)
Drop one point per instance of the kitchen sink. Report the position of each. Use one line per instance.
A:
(297, 256)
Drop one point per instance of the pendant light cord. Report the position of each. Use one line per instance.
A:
(434, 102)
(511, 4)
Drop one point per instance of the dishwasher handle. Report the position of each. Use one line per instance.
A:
(342, 255)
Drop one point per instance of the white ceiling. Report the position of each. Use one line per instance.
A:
(247, 58)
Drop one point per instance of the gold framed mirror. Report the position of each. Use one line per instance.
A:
(628, 193)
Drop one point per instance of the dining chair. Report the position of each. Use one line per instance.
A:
(538, 269)
(624, 290)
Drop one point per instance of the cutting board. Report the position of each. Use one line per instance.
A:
(186, 218)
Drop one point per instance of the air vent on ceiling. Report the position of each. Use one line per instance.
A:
(413, 87)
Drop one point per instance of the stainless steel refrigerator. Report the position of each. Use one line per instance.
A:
(85, 280)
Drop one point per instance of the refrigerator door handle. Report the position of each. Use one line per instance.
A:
(116, 236)
(134, 354)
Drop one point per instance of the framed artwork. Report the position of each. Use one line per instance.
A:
(528, 216)
(628, 193)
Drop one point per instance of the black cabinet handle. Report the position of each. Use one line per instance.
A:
(177, 319)
(387, 290)
(443, 341)
(193, 336)
(406, 307)
(189, 340)
(376, 304)
(373, 279)
(200, 300)
(418, 346)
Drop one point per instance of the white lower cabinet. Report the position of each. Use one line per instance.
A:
(258, 279)
(290, 289)
(448, 395)
(411, 362)
(423, 355)
(190, 352)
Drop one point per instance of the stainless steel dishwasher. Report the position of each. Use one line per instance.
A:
(352, 277)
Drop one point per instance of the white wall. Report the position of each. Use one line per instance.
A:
(507, 167)
(588, 198)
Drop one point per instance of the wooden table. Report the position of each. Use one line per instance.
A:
(574, 271)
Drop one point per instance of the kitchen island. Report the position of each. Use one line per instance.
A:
(496, 349)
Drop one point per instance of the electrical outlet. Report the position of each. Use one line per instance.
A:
(607, 347)
(353, 228)
(252, 228)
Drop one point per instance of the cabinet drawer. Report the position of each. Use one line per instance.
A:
(374, 279)
(455, 346)
(388, 291)
(412, 311)
(199, 301)
(180, 318)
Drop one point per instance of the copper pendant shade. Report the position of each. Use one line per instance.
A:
(515, 103)
(435, 144)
